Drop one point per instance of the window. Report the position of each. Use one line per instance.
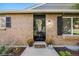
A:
(76, 26)
(5, 22)
(2, 22)
(8, 22)
(71, 25)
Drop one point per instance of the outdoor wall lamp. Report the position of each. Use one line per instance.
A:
(49, 23)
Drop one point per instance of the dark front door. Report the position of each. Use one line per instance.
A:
(39, 28)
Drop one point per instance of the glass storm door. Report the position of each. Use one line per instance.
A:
(39, 27)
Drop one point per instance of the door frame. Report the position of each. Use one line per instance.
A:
(45, 24)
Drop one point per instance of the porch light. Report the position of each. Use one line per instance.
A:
(49, 23)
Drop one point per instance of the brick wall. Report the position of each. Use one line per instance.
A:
(51, 31)
(21, 29)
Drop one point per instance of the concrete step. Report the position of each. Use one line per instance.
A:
(39, 44)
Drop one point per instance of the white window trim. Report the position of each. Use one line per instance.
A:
(5, 22)
(71, 27)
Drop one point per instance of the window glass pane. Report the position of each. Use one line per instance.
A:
(8, 19)
(76, 26)
(2, 22)
(8, 22)
(66, 25)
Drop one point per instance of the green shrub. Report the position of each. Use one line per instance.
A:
(62, 53)
(65, 53)
(2, 48)
(68, 53)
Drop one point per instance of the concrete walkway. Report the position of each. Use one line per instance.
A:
(31, 51)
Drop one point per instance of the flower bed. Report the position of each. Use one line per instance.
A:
(63, 51)
(11, 51)
(15, 51)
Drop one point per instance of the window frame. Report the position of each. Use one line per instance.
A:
(5, 22)
(3, 27)
(71, 26)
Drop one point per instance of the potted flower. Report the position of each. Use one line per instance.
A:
(30, 42)
(49, 42)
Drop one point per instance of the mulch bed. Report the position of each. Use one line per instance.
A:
(15, 51)
(74, 53)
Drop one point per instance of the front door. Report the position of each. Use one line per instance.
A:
(39, 28)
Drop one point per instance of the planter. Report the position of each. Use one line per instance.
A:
(50, 46)
(49, 42)
(30, 42)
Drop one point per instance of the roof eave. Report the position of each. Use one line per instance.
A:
(40, 11)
